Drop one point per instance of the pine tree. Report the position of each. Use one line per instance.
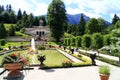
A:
(3, 32)
(31, 20)
(81, 26)
(115, 19)
(12, 17)
(92, 26)
(44, 21)
(36, 21)
(19, 15)
(9, 8)
(11, 31)
(56, 18)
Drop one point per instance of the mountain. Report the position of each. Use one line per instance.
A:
(75, 19)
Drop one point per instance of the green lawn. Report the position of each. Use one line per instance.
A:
(53, 57)
(7, 26)
(15, 44)
(18, 33)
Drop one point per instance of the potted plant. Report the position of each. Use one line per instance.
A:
(104, 72)
(41, 58)
(13, 62)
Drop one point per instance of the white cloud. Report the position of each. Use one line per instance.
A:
(41, 8)
(94, 8)
(31, 6)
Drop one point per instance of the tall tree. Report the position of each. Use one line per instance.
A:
(115, 19)
(101, 24)
(31, 20)
(12, 17)
(36, 21)
(5, 17)
(2, 8)
(92, 26)
(43, 19)
(3, 32)
(81, 26)
(56, 18)
(24, 16)
(19, 15)
(11, 31)
(9, 8)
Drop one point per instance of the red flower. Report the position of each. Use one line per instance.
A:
(13, 54)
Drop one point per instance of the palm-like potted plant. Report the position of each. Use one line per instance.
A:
(13, 62)
(104, 72)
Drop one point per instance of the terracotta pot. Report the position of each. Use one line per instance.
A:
(13, 68)
(104, 77)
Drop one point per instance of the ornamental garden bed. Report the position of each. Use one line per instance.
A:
(54, 59)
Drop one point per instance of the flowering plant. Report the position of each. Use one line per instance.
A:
(67, 63)
(15, 58)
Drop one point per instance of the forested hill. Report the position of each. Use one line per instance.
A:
(75, 19)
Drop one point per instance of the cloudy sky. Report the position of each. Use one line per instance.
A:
(92, 8)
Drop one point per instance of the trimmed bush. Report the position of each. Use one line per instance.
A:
(97, 41)
(2, 42)
(78, 41)
(86, 41)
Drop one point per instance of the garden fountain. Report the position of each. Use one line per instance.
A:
(32, 49)
(33, 44)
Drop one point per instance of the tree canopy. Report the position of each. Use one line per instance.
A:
(56, 18)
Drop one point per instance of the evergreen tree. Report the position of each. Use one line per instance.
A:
(30, 20)
(92, 26)
(12, 17)
(2, 8)
(117, 25)
(56, 18)
(69, 28)
(101, 24)
(9, 8)
(81, 26)
(19, 15)
(24, 16)
(11, 31)
(5, 17)
(3, 32)
(36, 21)
(44, 21)
(24, 19)
(115, 19)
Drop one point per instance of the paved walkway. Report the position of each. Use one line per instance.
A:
(103, 55)
(79, 73)
(69, 56)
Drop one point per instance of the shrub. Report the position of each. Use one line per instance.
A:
(67, 63)
(97, 41)
(41, 48)
(104, 70)
(2, 42)
(86, 41)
